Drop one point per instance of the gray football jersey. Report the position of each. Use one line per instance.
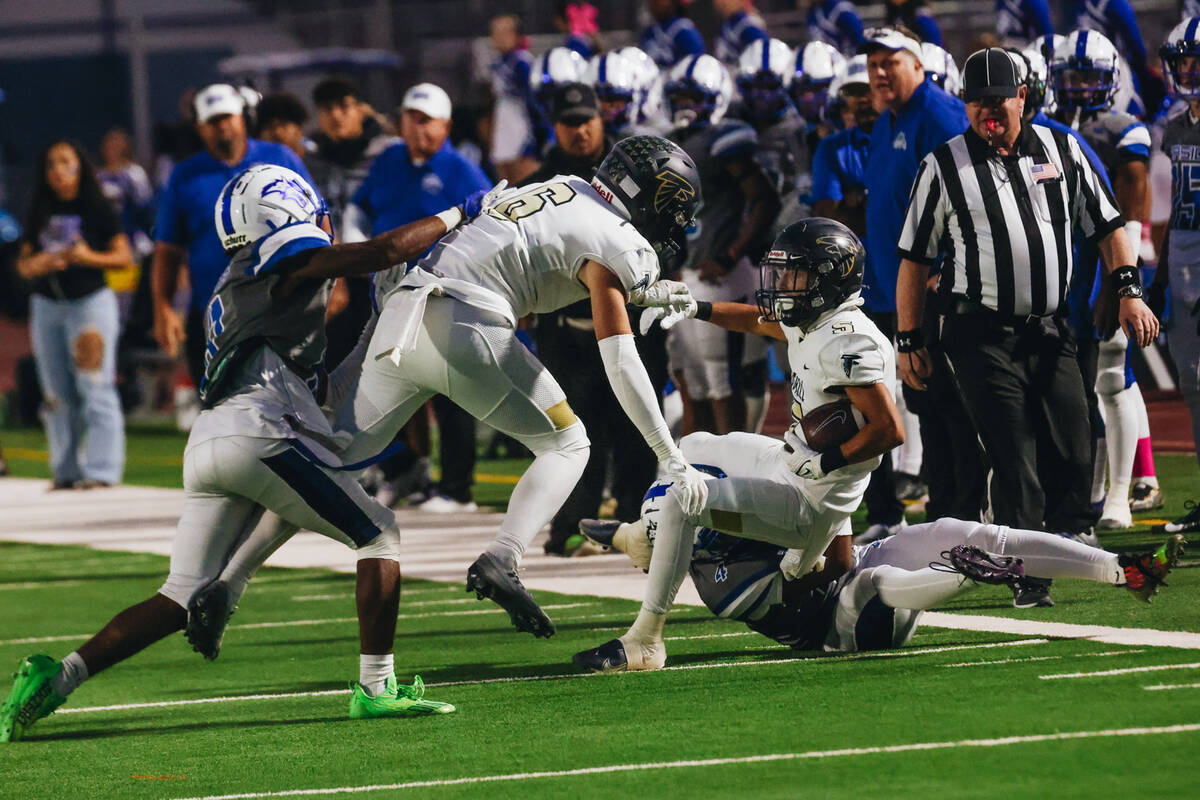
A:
(243, 316)
(1181, 143)
(720, 215)
(783, 154)
(1117, 137)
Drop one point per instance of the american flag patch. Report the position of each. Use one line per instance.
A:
(1044, 173)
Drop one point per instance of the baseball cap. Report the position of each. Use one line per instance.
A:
(889, 39)
(428, 99)
(216, 100)
(991, 72)
(575, 101)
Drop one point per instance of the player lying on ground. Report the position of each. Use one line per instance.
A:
(448, 327)
(246, 451)
(797, 493)
(876, 603)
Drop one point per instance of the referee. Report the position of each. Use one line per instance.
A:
(998, 204)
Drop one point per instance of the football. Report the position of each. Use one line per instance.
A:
(830, 425)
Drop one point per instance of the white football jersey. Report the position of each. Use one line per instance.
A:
(843, 349)
(525, 253)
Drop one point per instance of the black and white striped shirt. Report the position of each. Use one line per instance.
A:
(1003, 223)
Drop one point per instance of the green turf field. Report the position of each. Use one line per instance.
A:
(735, 716)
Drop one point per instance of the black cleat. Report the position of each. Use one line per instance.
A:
(488, 578)
(1032, 592)
(984, 568)
(208, 614)
(608, 657)
(600, 531)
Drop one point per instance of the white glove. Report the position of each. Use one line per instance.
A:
(660, 293)
(801, 459)
(669, 301)
(692, 484)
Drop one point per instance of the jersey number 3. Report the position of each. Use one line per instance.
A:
(529, 203)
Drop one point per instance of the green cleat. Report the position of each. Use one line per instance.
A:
(396, 701)
(32, 697)
(1145, 573)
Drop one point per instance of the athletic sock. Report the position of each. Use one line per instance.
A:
(373, 672)
(73, 673)
(1143, 463)
(1048, 556)
(648, 627)
(1120, 425)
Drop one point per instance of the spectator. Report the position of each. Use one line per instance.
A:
(512, 130)
(917, 17)
(186, 231)
(128, 190)
(672, 37)
(408, 181)
(741, 26)
(578, 21)
(281, 118)
(71, 237)
(1021, 21)
(835, 22)
(917, 116)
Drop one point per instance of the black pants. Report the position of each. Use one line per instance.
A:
(194, 344)
(573, 358)
(456, 448)
(1022, 387)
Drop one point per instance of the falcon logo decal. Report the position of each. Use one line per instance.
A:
(671, 186)
(288, 190)
(848, 362)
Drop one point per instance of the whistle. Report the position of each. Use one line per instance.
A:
(991, 125)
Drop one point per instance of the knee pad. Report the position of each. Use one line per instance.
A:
(1110, 368)
(569, 441)
(386, 545)
(754, 378)
(660, 500)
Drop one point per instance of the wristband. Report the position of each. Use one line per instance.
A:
(833, 459)
(910, 341)
(1127, 281)
(703, 310)
(451, 217)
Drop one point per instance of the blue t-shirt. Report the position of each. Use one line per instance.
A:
(671, 41)
(836, 22)
(738, 32)
(898, 143)
(840, 164)
(396, 191)
(185, 209)
(1023, 20)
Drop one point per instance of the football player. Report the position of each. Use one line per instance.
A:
(877, 603)
(448, 327)
(249, 449)
(1084, 76)
(786, 493)
(733, 224)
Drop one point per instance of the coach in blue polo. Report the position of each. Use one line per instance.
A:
(413, 179)
(186, 233)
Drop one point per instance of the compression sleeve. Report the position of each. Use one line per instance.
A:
(630, 383)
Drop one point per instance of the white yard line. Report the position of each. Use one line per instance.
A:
(1106, 654)
(1126, 671)
(715, 762)
(1138, 637)
(1161, 686)
(833, 659)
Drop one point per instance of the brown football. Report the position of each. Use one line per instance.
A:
(830, 425)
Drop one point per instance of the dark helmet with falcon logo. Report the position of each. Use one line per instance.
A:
(813, 267)
(657, 186)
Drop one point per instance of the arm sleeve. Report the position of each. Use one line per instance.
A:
(852, 359)
(1093, 208)
(826, 185)
(925, 221)
(632, 387)
(168, 225)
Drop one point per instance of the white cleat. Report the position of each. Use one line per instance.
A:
(622, 655)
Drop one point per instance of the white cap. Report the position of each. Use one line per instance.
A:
(428, 99)
(216, 100)
(890, 39)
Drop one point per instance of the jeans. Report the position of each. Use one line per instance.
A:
(77, 373)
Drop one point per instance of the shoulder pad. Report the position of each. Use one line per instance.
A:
(732, 137)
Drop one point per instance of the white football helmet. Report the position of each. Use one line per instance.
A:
(764, 75)
(261, 199)
(816, 65)
(940, 68)
(852, 72)
(1181, 59)
(697, 91)
(649, 81)
(553, 68)
(1085, 72)
(614, 78)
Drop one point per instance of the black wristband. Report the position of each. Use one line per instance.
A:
(833, 459)
(703, 310)
(1127, 281)
(910, 341)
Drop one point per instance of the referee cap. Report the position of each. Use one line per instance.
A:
(991, 72)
